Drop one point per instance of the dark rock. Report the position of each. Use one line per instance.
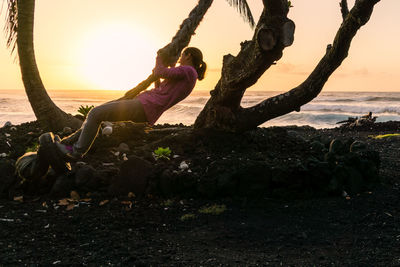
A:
(330, 157)
(317, 147)
(354, 182)
(62, 186)
(223, 173)
(369, 168)
(133, 177)
(7, 177)
(320, 176)
(123, 148)
(102, 178)
(296, 136)
(253, 177)
(338, 147)
(167, 183)
(84, 175)
(357, 146)
(7, 124)
(145, 154)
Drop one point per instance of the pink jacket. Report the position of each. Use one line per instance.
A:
(177, 85)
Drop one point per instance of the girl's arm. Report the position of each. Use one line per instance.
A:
(161, 71)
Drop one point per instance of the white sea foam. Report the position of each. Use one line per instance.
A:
(323, 112)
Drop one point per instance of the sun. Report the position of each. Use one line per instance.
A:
(116, 56)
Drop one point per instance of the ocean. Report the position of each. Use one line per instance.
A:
(323, 112)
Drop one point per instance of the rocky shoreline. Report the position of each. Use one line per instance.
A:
(307, 172)
(276, 161)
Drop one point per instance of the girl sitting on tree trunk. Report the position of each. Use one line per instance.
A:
(178, 83)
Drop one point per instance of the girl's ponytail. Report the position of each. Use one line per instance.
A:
(201, 70)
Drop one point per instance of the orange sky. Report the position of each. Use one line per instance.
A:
(102, 44)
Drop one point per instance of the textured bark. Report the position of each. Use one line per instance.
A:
(47, 113)
(171, 52)
(242, 71)
(223, 110)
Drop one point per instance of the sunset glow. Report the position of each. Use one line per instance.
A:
(100, 44)
(115, 56)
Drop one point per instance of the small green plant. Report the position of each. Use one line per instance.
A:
(213, 209)
(168, 203)
(33, 148)
(187, 217)
(290, 4)
(162, 153)
(84, 110)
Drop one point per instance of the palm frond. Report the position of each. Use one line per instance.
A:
(11, 24)
(244, 10)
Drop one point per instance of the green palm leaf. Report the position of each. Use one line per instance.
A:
(244, 10)
(11, 25)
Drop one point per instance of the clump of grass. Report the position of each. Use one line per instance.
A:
(385, 136)
(213, 209)
(187, 217)
(32, 148)
(84, 110)
(168, 203)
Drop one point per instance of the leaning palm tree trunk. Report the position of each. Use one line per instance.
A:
(47, 113)
(170, 53)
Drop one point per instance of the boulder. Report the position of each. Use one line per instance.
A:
(337, 147)
(84, 176)
(7, 124)
(133, 177)
(123, 148)
(62, 186)
(357, 146)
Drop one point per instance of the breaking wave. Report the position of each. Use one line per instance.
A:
(323, 112)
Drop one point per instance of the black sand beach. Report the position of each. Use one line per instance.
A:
(218, 209)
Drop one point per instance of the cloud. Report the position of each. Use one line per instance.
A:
(362, 72)
(293, 69)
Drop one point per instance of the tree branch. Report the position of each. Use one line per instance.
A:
(271, 36)
(344, 9)
(312, 86)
